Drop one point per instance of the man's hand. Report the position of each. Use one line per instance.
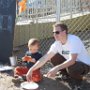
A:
(52, 72)
(39, 64)
(29, 76)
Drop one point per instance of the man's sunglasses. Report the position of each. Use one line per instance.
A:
(57, 32)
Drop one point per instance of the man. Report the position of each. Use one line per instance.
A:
(72, 56)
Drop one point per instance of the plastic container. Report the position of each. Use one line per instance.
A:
(13, 60)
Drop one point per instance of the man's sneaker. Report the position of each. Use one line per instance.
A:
(76, 88)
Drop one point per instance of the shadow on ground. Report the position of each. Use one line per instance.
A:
(49, 84)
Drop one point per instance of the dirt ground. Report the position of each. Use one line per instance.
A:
(6, 78)
(6, 82)
(47, 84)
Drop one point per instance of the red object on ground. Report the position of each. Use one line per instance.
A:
(36, 76)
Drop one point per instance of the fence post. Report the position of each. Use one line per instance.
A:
(71, 8)
(28, 13)
(58, 11)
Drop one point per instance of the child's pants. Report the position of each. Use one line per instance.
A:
(21, 70)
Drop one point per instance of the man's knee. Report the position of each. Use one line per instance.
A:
(71, 71)
(57, 59)
(75, 69)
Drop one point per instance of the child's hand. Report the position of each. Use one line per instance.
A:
(27, 58)
(33, 60)
(23, 58)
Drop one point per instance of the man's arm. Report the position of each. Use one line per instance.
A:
(68, 63)
(64, 65)
(39, 64)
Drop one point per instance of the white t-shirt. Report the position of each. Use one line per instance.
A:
(73, 46)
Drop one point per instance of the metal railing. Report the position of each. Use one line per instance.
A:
(38, 9)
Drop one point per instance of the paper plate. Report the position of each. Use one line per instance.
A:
(29, 85)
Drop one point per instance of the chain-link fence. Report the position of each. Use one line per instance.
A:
(37, 21)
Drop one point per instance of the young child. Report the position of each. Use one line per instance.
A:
(30, 58)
